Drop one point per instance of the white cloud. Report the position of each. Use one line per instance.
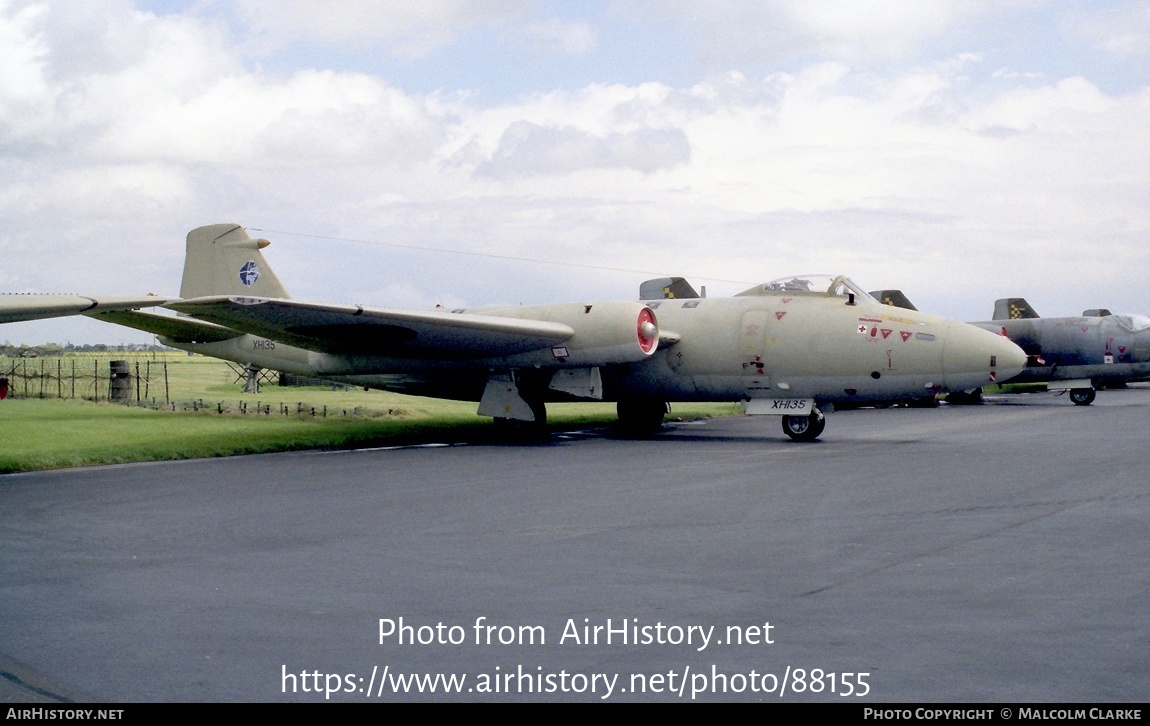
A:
(871, 28)
(24, 51)
(857, 31)
(1050, 108)
(1122, 28)
(559, 37)
(410, 29)
(527, 149)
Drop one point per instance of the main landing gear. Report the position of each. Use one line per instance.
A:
(804, 428)
(964, 398)
(640, 416)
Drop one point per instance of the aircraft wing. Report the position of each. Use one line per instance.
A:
(15, 307)
(358, 330)
(179, 329)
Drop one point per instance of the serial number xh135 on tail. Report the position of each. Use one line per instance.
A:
(793, 348)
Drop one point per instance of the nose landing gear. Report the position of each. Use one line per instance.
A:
(1082, 396)
(804, 428)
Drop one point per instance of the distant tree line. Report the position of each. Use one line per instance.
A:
(45, 350)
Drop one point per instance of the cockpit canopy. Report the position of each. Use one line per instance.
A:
(1133, 323)
(818, 285)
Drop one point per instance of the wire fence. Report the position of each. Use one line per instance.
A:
(158, 383)
(93, 379)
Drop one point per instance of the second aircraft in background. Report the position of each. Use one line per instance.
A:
(1076, 353)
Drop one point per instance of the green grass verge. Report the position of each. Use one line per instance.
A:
(46, 433)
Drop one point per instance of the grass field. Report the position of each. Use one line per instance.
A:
(198, 410)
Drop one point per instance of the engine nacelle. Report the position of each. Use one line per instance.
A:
(605, 333)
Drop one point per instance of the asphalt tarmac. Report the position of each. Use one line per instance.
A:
(994, 553)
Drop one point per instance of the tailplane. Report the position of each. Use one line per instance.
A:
(222, 259)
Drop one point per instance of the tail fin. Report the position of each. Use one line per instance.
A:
(221, 259)
(666, 287)
(1013, 308)
(894, 298)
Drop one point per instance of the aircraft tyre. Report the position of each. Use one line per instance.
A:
(964, 398)
(540, 410)
(639, 416)
(1082, 396)
(804, 428)
(926, 402)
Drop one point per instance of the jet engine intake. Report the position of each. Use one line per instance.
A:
(605, 333)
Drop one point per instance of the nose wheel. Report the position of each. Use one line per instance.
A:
(1082, 396)
(804, 428)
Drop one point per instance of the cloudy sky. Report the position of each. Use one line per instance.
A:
(406, 154)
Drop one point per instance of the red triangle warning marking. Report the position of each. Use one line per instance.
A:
(779, 316)
(905, 335)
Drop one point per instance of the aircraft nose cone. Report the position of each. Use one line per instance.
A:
(974, 357)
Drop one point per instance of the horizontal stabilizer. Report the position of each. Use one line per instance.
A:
(1096, 313)
(894, 298)
(15, 307)
(178, 329)
(357, 330)
(1013, 308)
(666, 288)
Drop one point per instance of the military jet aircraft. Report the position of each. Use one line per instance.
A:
(1076, 354)
(792, 348)
(17, 307)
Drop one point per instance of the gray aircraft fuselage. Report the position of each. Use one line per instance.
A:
(1104, 350)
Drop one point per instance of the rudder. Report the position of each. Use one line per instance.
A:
(666, 288)
(221, 259)
(1013, 308)
(894, 298)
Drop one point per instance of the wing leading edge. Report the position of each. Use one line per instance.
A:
(358, 330)
(16, 307)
